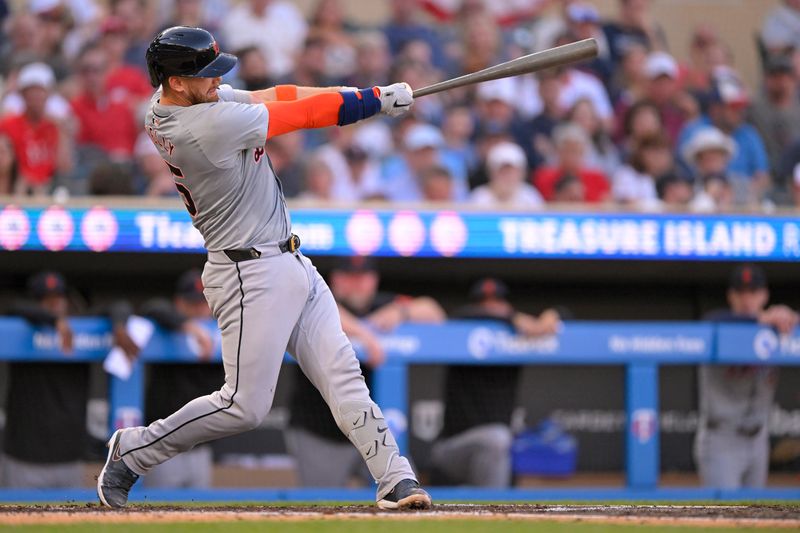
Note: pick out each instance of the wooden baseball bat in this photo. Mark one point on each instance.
(552, 57)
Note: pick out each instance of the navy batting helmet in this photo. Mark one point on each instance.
(184, 51)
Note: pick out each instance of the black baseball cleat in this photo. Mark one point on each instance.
(407, 495)
(115, 479)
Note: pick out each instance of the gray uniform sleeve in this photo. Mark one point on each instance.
(224, 129)
(227, 93)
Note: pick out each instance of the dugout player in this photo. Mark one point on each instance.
(59, 389)
(732, 442)
(266, 296)
(324, 457)
(171, 385)
(475, 444)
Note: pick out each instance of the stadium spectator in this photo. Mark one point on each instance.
(437, 184)
(356, 173)
(328, 25)
(124, 83)
(140, 26)
(252, 73)
(776, 111)
(578, 85)
(59, 390)
(708, 153)
(583, 22)
(642, 120)
(508, 169)
(735, 402)
(481, 42)
(310, 69)
(41, 146)
(474, 447)
(635, 183)
(603, 154)
(324, 456)
(277, 27)
(496, 109)
(539, 146)
(404, 26)
(8, 167)
(706, 53)
(572, 145)
(105, 118)
(726, 111)
(629, 80)
(373, 60)
(53, 18)
(458, 129)
(423, 147)
(318, 183)
(171, 385)
(634, 24)
(285, 154)
(674, 191)
(21, 43)
(192, 13)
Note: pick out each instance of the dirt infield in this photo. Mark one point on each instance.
(787, 516)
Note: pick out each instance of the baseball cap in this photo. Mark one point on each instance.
(728, 88)
(580, 12)
(488, 288)
(190, 286)
(708, 138)
(35, 75)
(421, 136)
(356, 263)
(46, 283)
(503, 90)
(660, 64)
(506, 153)
(748, 277)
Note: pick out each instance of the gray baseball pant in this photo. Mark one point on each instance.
(479, 456)
(728, 460)
(265, 307)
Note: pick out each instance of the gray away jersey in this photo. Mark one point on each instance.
(215, 152)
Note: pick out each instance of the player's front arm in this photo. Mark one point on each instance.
(340, 108)
(287, 93)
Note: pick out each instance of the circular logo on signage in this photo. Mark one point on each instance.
(14, 228)
(99, 229)
(364, 232)
(765, 344)
(406, 233)
(55, 228)
(448, 233)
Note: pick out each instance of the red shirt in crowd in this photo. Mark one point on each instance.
(107, 123)
(594, 182)
(129, 83)
(35, 147)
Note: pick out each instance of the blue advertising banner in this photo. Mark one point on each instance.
(425, 233)
(456, 342)
(753, 344)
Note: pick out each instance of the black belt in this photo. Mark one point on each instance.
(292, 244)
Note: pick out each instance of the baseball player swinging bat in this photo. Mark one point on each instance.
(552, 57)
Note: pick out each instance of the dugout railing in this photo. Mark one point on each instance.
(641, 347)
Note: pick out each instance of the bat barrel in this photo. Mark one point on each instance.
(552, 57)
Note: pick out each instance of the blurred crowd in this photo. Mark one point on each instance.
(634, 127)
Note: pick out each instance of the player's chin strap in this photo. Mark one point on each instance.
(358, 105)
(364, 425)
